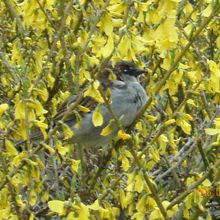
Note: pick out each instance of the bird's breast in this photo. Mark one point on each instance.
(139, 97)
(126, 103)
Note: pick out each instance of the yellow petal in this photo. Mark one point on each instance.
(96, 84)
(155, 214)
(139, 183)
(22, 130)
(95, 206)
(94, 93)
(43, 126)
(186, 127)
(56, 206)
(20, 110)
(40, 124)
(124, 46)
(218, 41)
(108, 48)
(10, 148)
(32, 197)
(83, 108)
(123, 135)
(68, 132)
(188, 117)
(163, 140)
(75, 165)
(191, 102)
(83, 212)
(49, 148)
(154, 153)
(117, 9)
(63, 150)
(106, 25)
(3, 107)
(201, 207)
(107, 130)
(19, 158)
(125, 164)
(50, 80)
(39, 108)
(166, 34)
(150, 117)
(212, 131)
(169, 122)
(207, 11)
(42, 92)
(97, 118)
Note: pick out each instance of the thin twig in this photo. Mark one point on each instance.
(10, 69)
(15, 16)
(149, 183)
(19, 166)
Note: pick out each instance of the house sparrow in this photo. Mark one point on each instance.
(127, 98)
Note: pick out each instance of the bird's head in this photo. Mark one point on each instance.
(129, 68)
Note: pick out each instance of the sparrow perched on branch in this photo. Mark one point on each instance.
(127, 98)
(124, 98)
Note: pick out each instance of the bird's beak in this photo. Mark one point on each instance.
(140, 71)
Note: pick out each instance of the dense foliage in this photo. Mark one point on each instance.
(166, 165)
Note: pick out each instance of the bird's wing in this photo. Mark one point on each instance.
(88, 104)
(84, 105)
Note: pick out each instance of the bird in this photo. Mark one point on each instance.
(126, 98)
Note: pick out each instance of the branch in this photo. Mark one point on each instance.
(149, 183)
(10, 69)
(15, 16)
